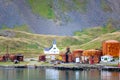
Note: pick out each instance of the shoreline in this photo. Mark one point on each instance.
(66, 66)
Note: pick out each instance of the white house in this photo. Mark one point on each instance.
(52, 51)
(106, 58)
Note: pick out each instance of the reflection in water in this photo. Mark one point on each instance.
(106, 75)
(52, 74)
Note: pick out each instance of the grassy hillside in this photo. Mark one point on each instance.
(33, 44)
(92, 38)
(97, 42)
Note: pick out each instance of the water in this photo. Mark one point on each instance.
(52, 74)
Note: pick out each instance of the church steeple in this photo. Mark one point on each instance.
(54, 42)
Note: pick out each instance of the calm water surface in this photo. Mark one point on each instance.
(53, 74)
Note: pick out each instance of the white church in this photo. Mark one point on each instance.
(53, 49)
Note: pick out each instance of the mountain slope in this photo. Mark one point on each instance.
(59, 17)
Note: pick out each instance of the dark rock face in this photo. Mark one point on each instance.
(18, 12)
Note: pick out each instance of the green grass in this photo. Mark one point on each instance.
(23, 27)
(42, 7)
(97, 42)
(45, 8)
(9, 63)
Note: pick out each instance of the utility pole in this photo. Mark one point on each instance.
(7, 49)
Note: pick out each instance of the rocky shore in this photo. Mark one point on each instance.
(65, 66)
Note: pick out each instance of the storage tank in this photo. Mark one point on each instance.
(92, 52)
(93, 55)
(111, 47)
(77, 54)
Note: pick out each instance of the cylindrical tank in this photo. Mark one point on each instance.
(92, 52)
(93, 55)
(77, 53)
(111, 47)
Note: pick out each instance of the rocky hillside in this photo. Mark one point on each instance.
(59, 17)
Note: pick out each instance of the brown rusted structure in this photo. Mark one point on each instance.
(77, 54)
(70, 58)
(63, 58)
(111, 47)
(94, 55)
(12, 57)
(92, 52)
(42, 58)
(1, 58)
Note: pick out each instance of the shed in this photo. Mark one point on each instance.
(42, 58)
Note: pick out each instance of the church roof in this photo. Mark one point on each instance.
(53, 43)
(47, 49)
